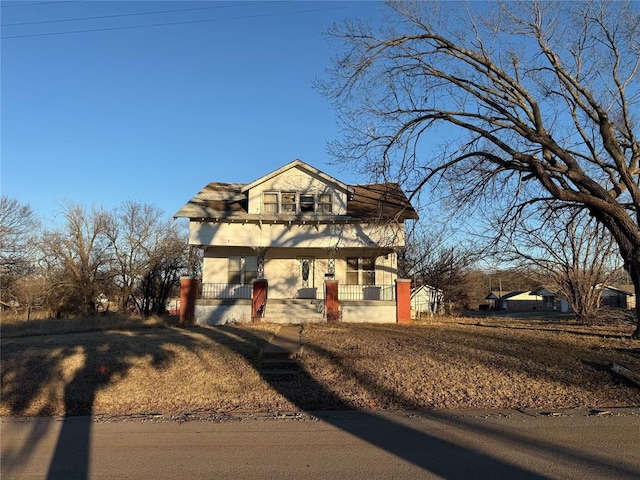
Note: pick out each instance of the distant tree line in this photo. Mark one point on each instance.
(570, 255)
(128, 259)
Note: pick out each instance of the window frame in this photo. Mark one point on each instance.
(247, 276)
(364, 275)
(275, 204)
(297, 202)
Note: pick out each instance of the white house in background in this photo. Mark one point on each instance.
(516, 301)
(297, 227)
(426, 300)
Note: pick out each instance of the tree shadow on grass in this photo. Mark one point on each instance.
(433, 454)
(443, 457)
(101, 366)
(79, 364)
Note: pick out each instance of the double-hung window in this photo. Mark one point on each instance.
(243, 270)
(288, 201)
(361, 271)
(297, 202)
(324, 204)
(270, 202)
(307, 203)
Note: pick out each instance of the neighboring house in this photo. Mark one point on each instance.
(618, 296)
(426, 300)
(297, 227)
(612, 296)
(516, 301)
(552, 301)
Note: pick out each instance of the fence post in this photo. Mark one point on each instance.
(403, 300)
(188, 296)
(331, 302)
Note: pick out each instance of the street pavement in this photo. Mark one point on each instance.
(564, 444)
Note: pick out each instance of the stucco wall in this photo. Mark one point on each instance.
(309, 235)
(221, 312)
(362, 311)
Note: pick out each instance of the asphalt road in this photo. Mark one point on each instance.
(332, 445)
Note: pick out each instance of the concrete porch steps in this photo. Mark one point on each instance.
(277, 358)
(294, 311)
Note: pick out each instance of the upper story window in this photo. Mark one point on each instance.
(288, 201)
(270, 201)
(307, 203)
(324, 204)
(297, 202)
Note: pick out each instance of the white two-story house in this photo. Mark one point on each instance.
(297, 227)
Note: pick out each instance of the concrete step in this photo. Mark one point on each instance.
(296, 319)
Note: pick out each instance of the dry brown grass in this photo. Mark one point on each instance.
(456, 364)
(16, 326)
(462, 364)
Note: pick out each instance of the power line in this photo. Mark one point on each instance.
(126, 14)
(29, 4)
(106, 29)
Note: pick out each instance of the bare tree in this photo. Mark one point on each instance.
(429, 260)
(513, 103)
(574, 255)
(18, 229)
(78, 259)
(139, 238)
(170, 260)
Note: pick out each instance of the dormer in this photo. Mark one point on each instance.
(297, 189)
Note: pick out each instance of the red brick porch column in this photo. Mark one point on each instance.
(258, 299)
(403, 300)
(331, 303)
(188, 295)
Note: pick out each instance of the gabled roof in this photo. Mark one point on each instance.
(301, 165)
(510, 295)
(373, 202)
(422, 288)
(624, 289)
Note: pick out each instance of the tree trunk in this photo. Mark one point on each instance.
(634, 273)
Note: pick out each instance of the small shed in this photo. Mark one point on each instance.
(426, 300)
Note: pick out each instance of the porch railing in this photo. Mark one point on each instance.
(225, 290)
(345, 292)
(366, 292)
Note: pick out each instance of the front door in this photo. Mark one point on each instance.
(306, 282)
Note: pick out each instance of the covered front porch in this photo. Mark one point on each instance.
(219, 304)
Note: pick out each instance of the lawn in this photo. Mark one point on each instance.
(147, 367)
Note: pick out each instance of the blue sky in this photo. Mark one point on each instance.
(154, 113)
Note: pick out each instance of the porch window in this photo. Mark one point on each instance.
(270, 202)
(243, 270)
(361, 271)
